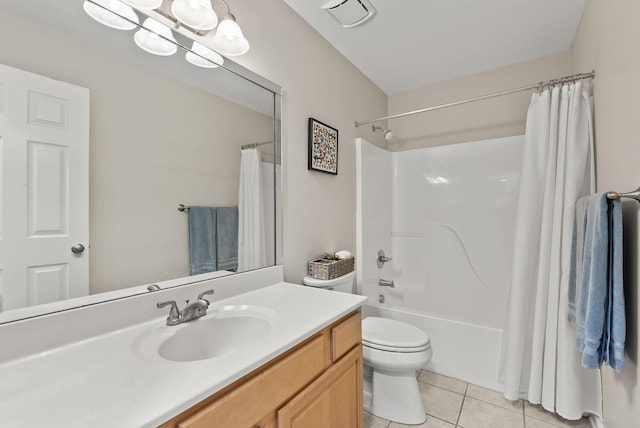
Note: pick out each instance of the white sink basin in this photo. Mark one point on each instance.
(224, 331)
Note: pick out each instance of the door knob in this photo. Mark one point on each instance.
(77, 249)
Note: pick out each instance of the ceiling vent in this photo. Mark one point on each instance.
(349, 13)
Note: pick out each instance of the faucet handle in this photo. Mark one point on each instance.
(204, 293)
(382, 259)
(174, 313)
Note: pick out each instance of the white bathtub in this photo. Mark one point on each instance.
(461, 350)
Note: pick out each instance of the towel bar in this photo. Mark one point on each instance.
(634, 195)
(184, 208)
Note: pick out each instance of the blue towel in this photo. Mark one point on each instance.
(202, 239)
(596, 300)
(616, 322)
(227, 238)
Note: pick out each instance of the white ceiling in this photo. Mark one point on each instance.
(412, 43)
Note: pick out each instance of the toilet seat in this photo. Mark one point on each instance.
(393, 336)
(395, 349)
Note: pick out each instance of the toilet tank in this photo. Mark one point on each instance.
(344, 283)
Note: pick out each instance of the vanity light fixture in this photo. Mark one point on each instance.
(229, 39)
(196, 16)
(110, 13)
(155, 38)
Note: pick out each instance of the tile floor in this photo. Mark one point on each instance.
(452, 403)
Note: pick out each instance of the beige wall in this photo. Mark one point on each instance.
(492, 118)
(607, 41)
(154, 143)
(319, 209)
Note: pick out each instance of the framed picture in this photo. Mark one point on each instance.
(323, 147)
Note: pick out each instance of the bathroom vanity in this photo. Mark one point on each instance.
(318, 383)
(273, 355)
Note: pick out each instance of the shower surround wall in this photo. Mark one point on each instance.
(446, 216)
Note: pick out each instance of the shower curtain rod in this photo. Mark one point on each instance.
(539, 85)
(254, 145)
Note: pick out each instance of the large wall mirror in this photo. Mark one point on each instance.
(101, 143)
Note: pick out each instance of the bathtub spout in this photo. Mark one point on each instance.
(386, 283)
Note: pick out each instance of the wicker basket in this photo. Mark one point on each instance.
(330, 269)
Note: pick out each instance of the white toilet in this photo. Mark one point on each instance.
(393, 352)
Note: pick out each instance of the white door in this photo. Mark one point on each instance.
(44, 203)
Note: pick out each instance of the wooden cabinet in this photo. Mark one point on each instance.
(316, 384)
(334, 400)
(345, 335)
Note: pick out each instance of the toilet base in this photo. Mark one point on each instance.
(396, 397)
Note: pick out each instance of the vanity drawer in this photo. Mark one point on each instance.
(346, 335)
(251, 401)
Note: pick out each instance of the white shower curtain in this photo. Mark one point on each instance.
(539, 359)
(251, 240)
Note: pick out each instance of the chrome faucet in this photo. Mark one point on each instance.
(192, 311)
(386, 283)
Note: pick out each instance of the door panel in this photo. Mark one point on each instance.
(47, 110)
(47, 189)
(47, 284)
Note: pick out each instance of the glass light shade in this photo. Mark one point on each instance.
(211, 59)
(113, 16)
(229, 39)
(197, 14)
(144, 4)
(149, 38)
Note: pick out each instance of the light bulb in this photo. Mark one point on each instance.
(229, 39)
(111, 14)
(144, 4)
(196, 14)
(204, 57)
(149, 38)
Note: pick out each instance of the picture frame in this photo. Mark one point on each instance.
(323, 147)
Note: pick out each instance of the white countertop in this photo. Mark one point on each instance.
(106, 381)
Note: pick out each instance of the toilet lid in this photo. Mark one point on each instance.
(387, 334)
(328, 283)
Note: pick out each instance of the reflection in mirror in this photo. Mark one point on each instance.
(104, 145)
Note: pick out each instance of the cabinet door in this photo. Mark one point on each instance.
(334, 400)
